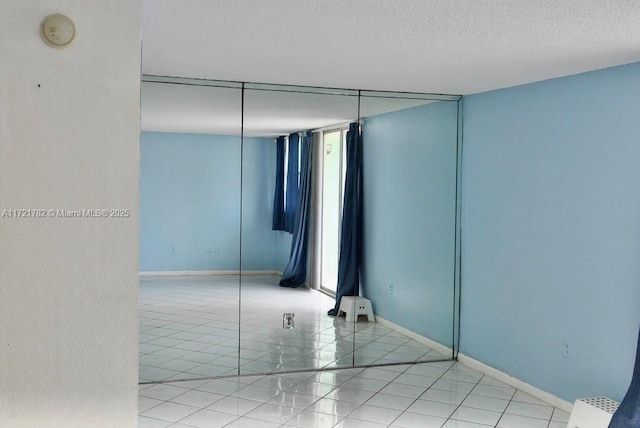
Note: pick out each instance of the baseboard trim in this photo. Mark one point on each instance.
(208, 272)
(482, 368)
(516, 383)
(436, 346)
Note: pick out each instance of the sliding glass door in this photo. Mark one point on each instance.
(333, 169)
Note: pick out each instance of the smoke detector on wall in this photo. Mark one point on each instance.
(57, 30)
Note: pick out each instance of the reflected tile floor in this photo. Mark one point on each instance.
(189, 330)
(436, 394)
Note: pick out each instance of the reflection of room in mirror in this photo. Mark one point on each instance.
(195, 109)
(208, 167)
(410, 174)
(276, 113)
(189, 330)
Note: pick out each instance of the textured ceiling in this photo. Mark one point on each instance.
(437, 46)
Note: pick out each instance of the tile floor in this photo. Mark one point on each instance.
(189, 330)
(424, 395)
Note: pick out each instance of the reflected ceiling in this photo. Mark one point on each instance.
(216, 110)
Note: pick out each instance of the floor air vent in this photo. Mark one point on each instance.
(592, 412)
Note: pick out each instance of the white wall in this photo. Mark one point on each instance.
(69, 139)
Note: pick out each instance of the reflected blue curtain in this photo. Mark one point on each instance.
(279, 218)
(293, 191)
(351, 235)
(628, 414)
(295, 273)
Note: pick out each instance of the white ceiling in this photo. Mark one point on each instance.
(437, 46)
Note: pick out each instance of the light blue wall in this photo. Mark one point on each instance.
(409, 163)
(190, 201)
(262, 248)
(551, 231)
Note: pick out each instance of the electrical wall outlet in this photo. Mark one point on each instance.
(287, 320)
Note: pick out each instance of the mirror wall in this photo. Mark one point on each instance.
(316, 340)
(190, 223)
(409, 231)
(210, 300)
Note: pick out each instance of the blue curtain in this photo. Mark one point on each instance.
(628, 414)
(279, 218)
(295, 273)
(293, 191)
(351, 236)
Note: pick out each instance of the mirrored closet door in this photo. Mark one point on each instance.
(284, 324)
(251, 198)
(190, 205)
(409, 226)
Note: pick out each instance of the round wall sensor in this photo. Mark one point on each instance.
(57, 30)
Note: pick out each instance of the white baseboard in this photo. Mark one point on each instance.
(208, 272)
(415, 336)
(482, 368)
(516, 383)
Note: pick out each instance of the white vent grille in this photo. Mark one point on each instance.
(602, 403)
(593, 412)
